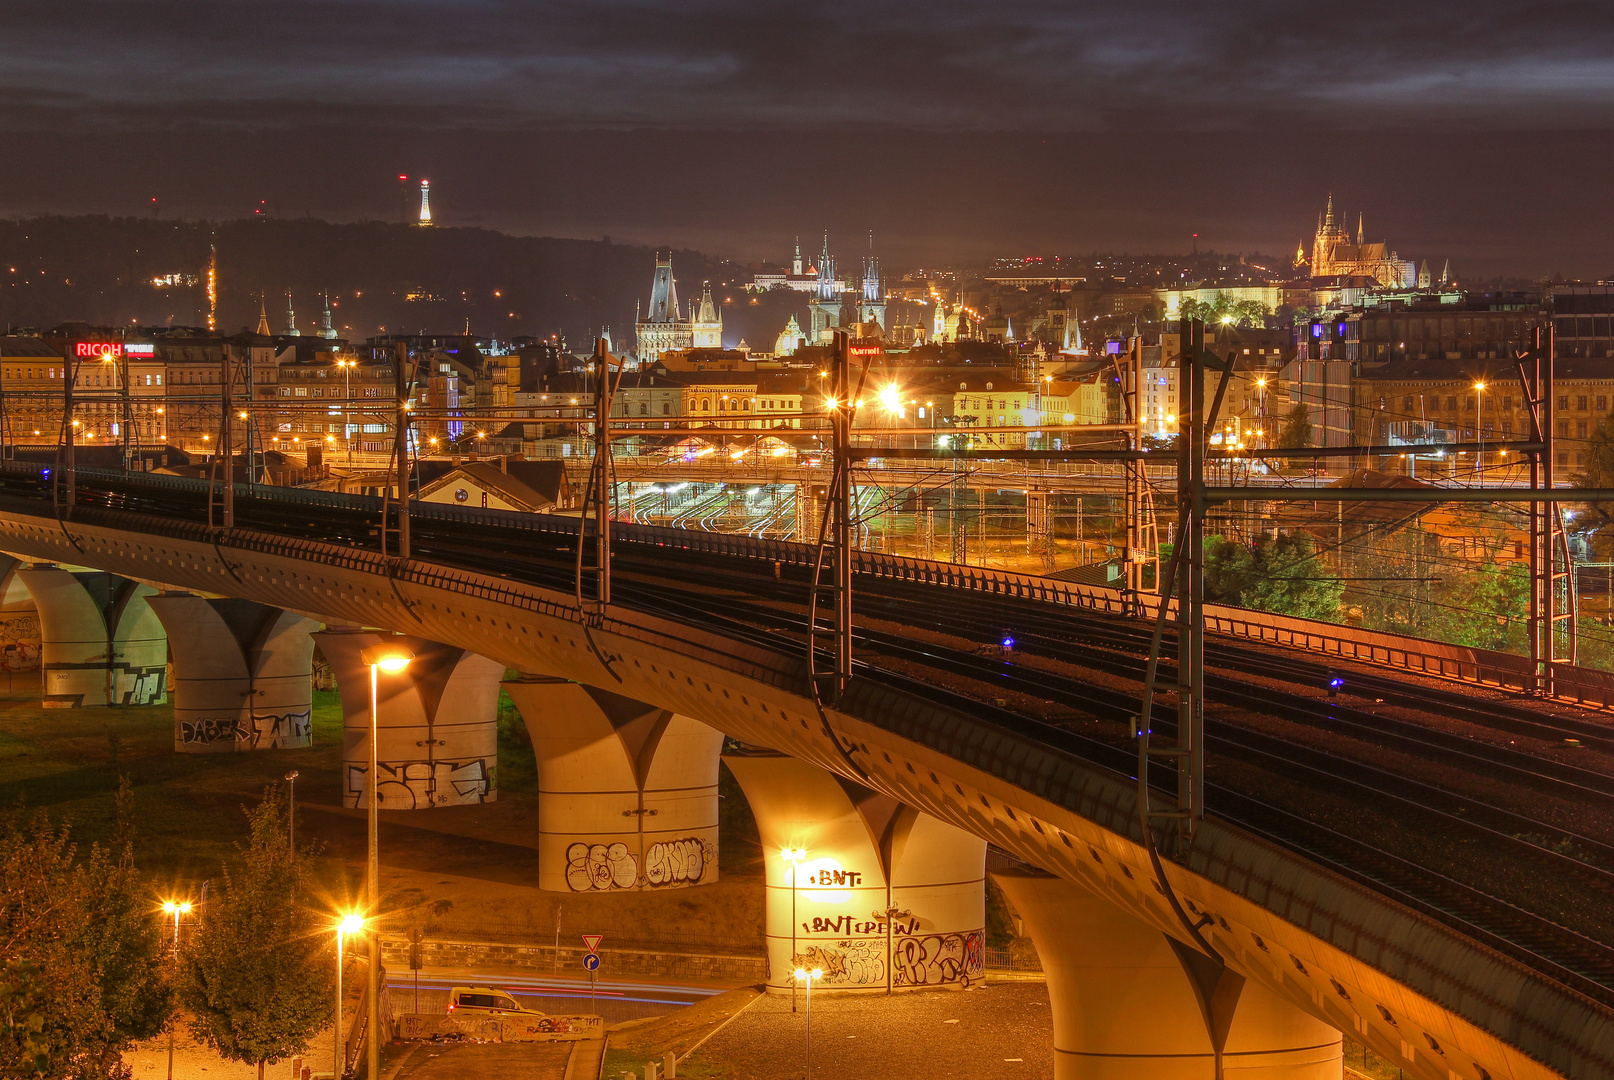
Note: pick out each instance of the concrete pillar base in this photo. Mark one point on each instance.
(627, 793)
(243, 674)
(439, 737)
(882, 896)
(1124, 1008)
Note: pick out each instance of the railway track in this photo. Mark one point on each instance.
(1574, 959)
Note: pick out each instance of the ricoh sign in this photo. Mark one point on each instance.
(112, 350)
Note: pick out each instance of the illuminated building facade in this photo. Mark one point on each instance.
(664, 329)
(1334, 255)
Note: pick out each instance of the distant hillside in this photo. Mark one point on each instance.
(379, 277)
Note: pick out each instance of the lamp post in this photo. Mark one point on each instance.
(347, 367)
(1479, 427)
(803, 975)
(794, 857)
(291, 812)
(392, 659)
(347, 924)
(176, 908)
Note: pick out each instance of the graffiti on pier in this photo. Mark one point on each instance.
(415, 785)
(600, 867)
(939, 959)
(676, 862)
(667, 863)
(209, 731)
(916, 960)
(272, 731)
(19, 643)
(288, 730)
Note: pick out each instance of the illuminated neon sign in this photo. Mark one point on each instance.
(97, 349)
(145, 350)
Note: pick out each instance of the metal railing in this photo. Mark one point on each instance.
(1587, 686)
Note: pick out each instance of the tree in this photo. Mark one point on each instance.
(1283, 575)
(81, 937)
(258, 974)
(1296, 430)
(1223, 309)
(1599, 473)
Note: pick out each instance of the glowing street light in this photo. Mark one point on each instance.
(392, 659)
(806, 976)
(795, 857)
(176, 908)
(347, 924)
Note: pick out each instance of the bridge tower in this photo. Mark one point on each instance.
(881, 896)
(1129, 1002)
(438, 729)
(627, 792)
(100, 642)
(243, 674)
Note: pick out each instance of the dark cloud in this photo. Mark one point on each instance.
(946, 64)
(953, 129)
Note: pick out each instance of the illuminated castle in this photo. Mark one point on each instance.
(664, 328)
(1334, 255)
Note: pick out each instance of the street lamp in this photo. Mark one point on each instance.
(291, 811)
(795, 857)
(176, 908)
(1479, 427)
(803, 975)
(347, 924)
(392, 659)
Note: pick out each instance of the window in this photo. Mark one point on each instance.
(1563, 402)
(1580, 429)
(285, 391)
(1406, 403)
(1451, 404)
(1602, 403)
(666, 408)
(1580, 403)
(643, 408)
(302, 391)
(1507, 404)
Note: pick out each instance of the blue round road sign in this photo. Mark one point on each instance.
(591, 962)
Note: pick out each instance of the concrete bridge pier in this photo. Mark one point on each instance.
(100, 643)
(627, 792)
(243, 674)
(1125, 1008)
(878, 895)
(438, 725)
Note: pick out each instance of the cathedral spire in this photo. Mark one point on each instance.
(326, 330)
(291, 319)
(1359, 234)
(263, 315)
(1328, 218)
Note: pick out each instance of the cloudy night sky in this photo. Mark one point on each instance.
(956, 131)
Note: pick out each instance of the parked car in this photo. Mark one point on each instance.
(486, 999)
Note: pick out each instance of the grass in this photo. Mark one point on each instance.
(478, 863)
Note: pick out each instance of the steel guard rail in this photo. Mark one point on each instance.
(1586, 686)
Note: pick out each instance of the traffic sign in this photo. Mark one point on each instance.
(593, 941)
(591, 962)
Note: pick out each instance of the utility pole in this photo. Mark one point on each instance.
(1191, 435)
(1549, 541)
(835, 534)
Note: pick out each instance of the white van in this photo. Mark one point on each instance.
(487, 1000)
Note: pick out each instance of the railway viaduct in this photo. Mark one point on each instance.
(1243, 958)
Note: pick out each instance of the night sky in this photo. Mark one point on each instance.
(955, 131)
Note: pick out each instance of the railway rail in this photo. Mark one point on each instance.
(760, 617)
